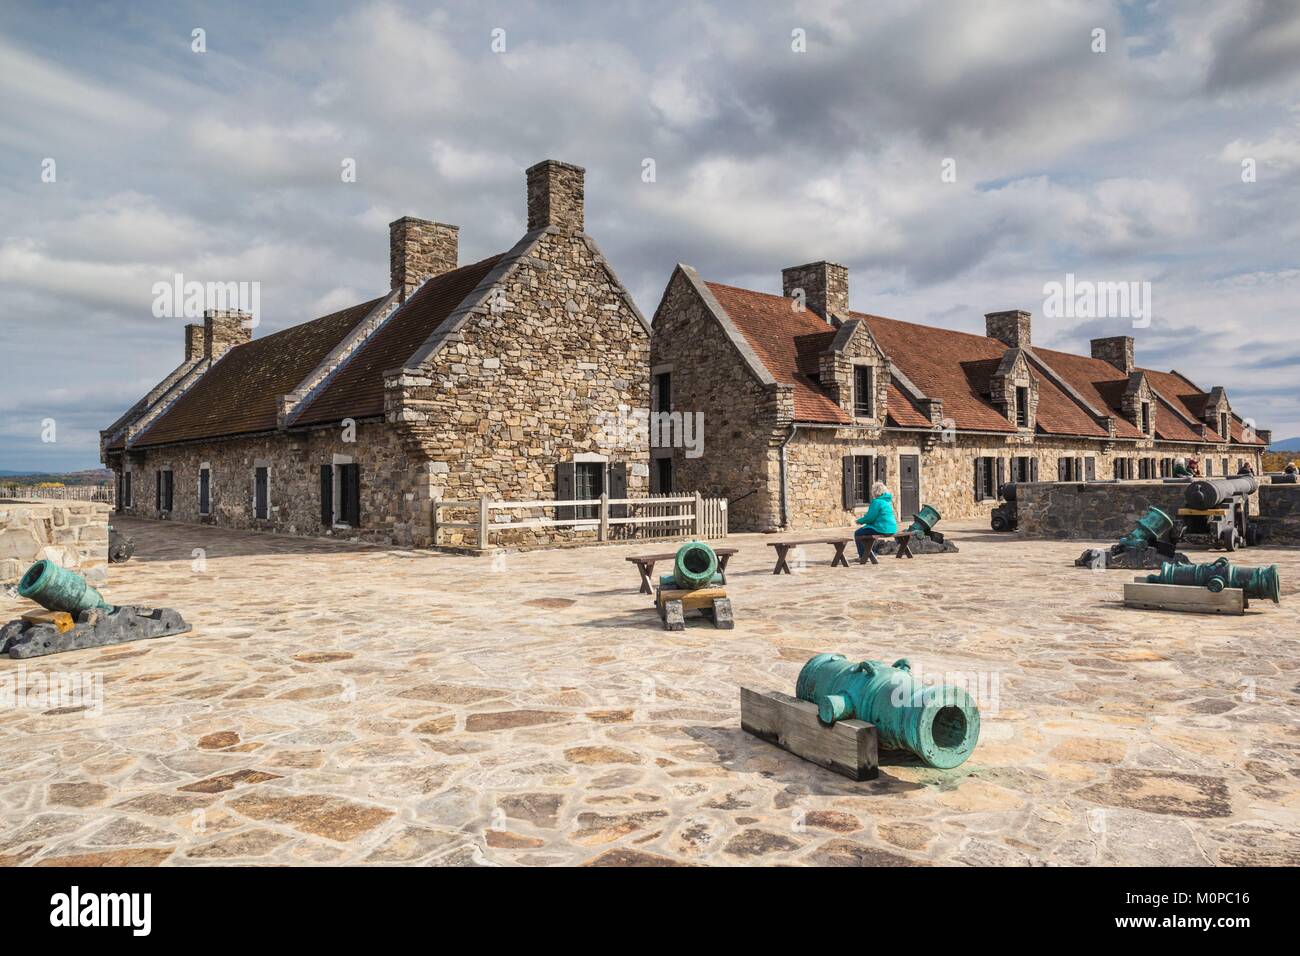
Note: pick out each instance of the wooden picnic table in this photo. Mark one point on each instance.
(645, 563)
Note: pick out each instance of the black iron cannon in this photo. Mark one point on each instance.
(1219, 510)
(1004, 516)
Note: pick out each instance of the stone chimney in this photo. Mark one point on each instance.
(555, 196)
(223, 330)
(1011, 328)
(1117, 350)
(419, 249)
(825, 287)
(193, 342)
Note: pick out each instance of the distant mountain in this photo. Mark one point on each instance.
(1286, 444)
(88, 476)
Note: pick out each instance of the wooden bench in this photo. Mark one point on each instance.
(783, 548)
(645, 563)
(904, 539)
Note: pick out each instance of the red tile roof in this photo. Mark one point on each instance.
(773, 329)
(1100, 384)
(357, 388)
(238, 394)
(955, 367)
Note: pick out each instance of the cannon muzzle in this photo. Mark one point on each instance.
(1007, 491)
(940, 724)
(1220, 574)
(923, 521)
(695, 566)
(1210, 492)
(58, 589)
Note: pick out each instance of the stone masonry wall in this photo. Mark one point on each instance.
(743, 419)
(72, 534)
(1091, 511)
(1279, 514)
(555, 373)
(388, 483)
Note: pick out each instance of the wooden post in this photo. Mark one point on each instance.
(603, 534)
(699, 514)
(483, 523)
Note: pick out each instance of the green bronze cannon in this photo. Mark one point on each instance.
(939, 724)
(81, 619)
(58, 589)
(695, 584)
(1153, 540)
(1220, 574)
(695, 566)
(923, 521)
(1149, 531)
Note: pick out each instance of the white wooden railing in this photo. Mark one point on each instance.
(656, 516)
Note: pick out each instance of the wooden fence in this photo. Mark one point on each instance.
(611, 519)
(63, 493)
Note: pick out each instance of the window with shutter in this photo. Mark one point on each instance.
(618, 487)
(350, 494)
(261, 493)
(327, 496)
(863, 397)
(564, 472)
(205, 491)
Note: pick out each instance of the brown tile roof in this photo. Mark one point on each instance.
(774, 331)
(955, 367)
(238, 394)
(1100, 384)
(357, 389)
(948, 365)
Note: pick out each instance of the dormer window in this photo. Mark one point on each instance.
(1022, 406)
(864, 405)
(1146, 418)
(1223, 425)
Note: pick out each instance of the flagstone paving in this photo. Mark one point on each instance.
(342, 704)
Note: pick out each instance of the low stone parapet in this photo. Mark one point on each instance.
(1091, 510)
(1279, 514)
(72, 534)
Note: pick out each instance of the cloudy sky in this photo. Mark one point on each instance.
(225, 165)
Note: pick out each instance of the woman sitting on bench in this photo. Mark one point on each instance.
(878, 521)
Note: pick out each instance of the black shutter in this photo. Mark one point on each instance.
(327, 496)
(618, 487)
(979, 483)
(882, 468)
(847, 469)
(1060, 469)
(1033, 469)
(352, 501)
(1090, 469)
(1002, 473)
(654, 476)
(158, 495)
(564, 476)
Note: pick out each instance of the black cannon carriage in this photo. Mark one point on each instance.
(1004, 516)
(1218, 509)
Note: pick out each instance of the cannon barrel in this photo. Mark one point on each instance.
(1255, 582)
(923, 521)
(1209, 492)
(58, 589)
(695, 566)
(1007, 491)
(938, 723)
(1150, 528)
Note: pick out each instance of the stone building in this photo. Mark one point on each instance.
(806, 402)
(497, 378)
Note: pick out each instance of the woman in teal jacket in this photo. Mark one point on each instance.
(879, 519)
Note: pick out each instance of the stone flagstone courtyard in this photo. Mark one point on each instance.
(342, 704)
